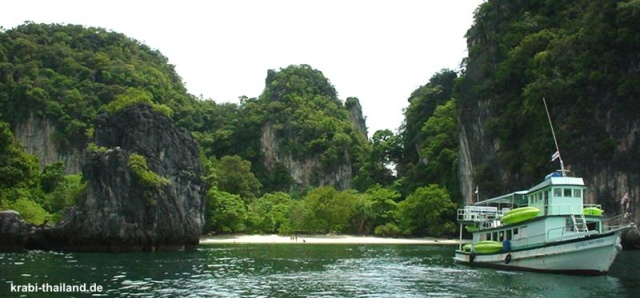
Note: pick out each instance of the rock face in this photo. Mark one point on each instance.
(14, 232)
(121, 211)
(355, 115)
(631, 239)
(37, 136)
(306, 172)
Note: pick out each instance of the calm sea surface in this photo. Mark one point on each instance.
(301, 270)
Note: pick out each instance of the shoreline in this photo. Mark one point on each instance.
(323, 239)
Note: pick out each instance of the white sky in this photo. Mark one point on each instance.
(377, 51)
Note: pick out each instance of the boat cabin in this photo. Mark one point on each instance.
(558, 195)
(552, 210)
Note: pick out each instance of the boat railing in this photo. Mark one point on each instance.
(480, 213)
(615, 222)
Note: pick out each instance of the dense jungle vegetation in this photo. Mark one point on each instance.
(403, 183)
(69, 74)
(583, 57)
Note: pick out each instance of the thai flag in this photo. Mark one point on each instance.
(555, 156)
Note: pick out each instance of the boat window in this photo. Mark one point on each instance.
(495, 236)
(508, 234)
(488, 236)
(577, 193)
(515, 231)
(557, 192)
(567, 192)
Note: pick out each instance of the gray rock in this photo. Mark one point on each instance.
(14, 232)
(119, 212)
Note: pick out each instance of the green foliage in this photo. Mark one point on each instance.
(426, 212)
(92, 147)
(233, 175)
(65, 194)
(308, 118)
(429, 136)
(581, 56)
(34, 194)
(17, 169)
(138, 165)
(270, 214)
(303, 116)
(376, 207)
(440, 148)
(52, 175)
(66, 73)
(133, 96)
(30, 211)
(388, 230)
(327, 210)
(225, 212)
(385, 154)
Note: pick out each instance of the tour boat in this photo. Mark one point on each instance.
(546, 228)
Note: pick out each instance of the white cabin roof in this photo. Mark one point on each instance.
(566, 181)
(549, 181)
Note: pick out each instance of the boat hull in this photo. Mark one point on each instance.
(589, 255)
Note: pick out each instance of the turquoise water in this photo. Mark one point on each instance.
(301, 270)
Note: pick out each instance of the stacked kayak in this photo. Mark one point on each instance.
(484, 247)
(595, 211)
(519, 215)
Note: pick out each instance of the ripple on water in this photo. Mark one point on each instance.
(297, 270)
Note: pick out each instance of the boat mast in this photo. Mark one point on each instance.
(554, 139)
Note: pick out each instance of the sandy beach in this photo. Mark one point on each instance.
(322, 239)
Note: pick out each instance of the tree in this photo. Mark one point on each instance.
(29, 210)
(67, 73)
(376, 207)
(269, 214)
(225, 212)
(133, 96)
(439, 149)
(52, 175)
(66, 194)
(327, 210)
(426, 212)
(384, 156)
(384, 204)
(17, 169)
(234, 176)
(418, 136)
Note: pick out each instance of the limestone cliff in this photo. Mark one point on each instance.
(522, 52)
(121, 209)
(304, 172)
(308, 136)
(37, 136)
(355, 115)
(14, 232)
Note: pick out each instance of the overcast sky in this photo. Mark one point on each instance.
(377, 51)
